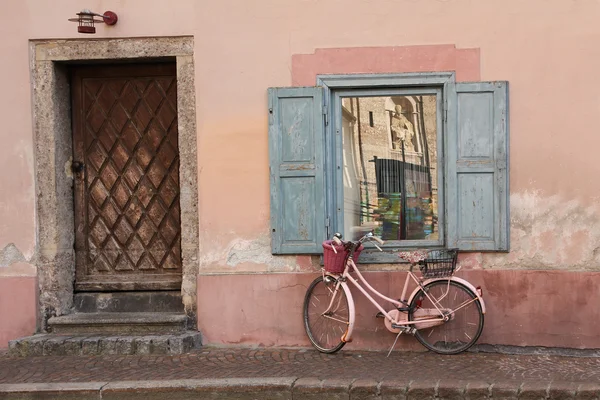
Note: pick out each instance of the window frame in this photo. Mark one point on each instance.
(337, 86)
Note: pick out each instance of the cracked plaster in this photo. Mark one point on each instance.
(252, 255)
(10, 255)
(547, 232)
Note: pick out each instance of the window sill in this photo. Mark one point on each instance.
(374, 256)
(389, 255)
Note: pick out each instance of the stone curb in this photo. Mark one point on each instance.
(302, 389)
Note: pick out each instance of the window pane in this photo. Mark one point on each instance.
(390, 167)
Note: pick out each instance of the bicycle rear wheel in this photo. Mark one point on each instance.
(465, 322)
(326, 330)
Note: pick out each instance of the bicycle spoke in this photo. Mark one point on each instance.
(335, 319)
(330, 289)
(326, 314)
(320, 321)
(465, 322)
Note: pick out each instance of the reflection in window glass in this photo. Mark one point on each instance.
(390, 167)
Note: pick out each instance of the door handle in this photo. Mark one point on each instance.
(77, 167)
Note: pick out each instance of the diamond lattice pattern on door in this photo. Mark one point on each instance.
(132, 175)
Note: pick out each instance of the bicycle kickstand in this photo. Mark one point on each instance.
(394, 345)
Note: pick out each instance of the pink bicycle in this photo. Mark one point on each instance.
(445, 313)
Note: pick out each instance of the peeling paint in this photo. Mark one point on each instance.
(247, 255)
(549, 232)
(10, 254)
(69, 168)
(257, 252)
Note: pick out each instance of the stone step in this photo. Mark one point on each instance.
(167, 301)
(120, 323)
(58, 345)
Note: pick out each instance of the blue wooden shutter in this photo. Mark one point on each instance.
(477, 161)
(296, 149)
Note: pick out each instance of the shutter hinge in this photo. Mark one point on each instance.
(445, 112)
(325, 115)
(270, 105)
(270, 101)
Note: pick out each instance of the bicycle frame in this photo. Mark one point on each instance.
(358, 283)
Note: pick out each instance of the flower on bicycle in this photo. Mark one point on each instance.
(413, 257)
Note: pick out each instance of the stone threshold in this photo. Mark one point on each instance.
(120, 323)
(62, 345)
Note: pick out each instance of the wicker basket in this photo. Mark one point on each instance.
(439, 263)
(336, 262)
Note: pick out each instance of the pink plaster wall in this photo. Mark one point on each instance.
(465, 62)
(524, 308)
(18, 307)
(244, 47)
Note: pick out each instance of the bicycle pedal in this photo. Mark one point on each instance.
(404, 328)
(379, 315)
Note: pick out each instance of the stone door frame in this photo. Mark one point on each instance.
(52, 137)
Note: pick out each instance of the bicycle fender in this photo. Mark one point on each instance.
(347, 337)
(455, 279)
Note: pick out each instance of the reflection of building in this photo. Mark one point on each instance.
(391, 182)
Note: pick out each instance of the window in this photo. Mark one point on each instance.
(418, 158)
(390, 164)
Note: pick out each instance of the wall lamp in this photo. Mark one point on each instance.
(86, 20)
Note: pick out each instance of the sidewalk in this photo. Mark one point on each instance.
(219, 373)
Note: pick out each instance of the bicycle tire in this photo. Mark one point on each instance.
(325, 333)
(462, 330)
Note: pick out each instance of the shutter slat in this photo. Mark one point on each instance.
(477, 162)
(296, 142)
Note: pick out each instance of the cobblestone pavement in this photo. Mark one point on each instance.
(256, 363)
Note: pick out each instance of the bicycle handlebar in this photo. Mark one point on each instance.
(378, 240)
(368, 236)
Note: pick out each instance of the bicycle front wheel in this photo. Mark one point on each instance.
(327, 314)
(462, 309)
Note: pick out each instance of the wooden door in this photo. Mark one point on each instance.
(126, 177)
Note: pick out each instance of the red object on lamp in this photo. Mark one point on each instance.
(110, 18)
(86, 20)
